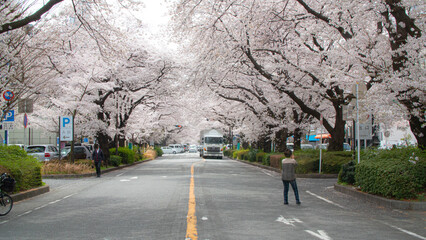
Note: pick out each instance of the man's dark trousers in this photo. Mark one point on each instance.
(98, 168)
(286, 188)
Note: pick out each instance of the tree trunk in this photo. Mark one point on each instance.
(418, 131)
(297, 139)
(281, 140)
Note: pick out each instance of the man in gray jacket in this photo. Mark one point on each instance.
(289, 176)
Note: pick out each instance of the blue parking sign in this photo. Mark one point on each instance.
(10, 116)
(66, 128)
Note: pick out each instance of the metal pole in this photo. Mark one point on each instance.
(357, 125)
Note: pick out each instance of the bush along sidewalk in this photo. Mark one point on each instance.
(308, 160)
(396, 174)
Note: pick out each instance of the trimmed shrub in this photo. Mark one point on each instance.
(260, 156)
(396, 173)
(127, 155)
(159, 151)
(228, 152)
(239, 154)
(275, 160)
(115, 160)
(308, 161)
(251, 155)
(26, 170)
(347, 173)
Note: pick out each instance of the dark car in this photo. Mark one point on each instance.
(80, 152)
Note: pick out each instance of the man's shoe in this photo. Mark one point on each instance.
(285, 203)
(298, 202)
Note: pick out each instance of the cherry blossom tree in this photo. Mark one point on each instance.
(312, 56)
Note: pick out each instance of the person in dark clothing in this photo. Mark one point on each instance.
(289, 176)
(98, 157)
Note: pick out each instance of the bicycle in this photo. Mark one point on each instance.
(7, 184)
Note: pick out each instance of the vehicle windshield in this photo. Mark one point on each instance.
(65, 151)
(35, 149)
(213, 140)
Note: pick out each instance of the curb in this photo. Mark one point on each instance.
(307, 175)
(389, 203)
(30, 193)
(59, 176)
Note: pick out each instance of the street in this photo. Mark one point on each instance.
(220, 199)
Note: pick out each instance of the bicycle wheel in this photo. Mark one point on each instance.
(6, 204)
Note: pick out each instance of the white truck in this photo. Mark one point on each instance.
(212, 143)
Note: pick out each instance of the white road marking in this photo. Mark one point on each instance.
(321, 234)
(407, 232)
(326, 200)
(118, 175)
(204, 218)
(4, 222)
(288, 221)
(267, 173)
(124, 180)
(69, 196)
(134, 178)
(55, 201)
(25, 213)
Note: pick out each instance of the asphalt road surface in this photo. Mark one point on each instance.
(185, 197)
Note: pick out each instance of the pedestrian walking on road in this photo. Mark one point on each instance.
(98, 157)
(289, 176)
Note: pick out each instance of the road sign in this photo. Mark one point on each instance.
(25, 120)
(10, 116)
(8, 125)
(8, 95)
(66, 128)
(25, 105)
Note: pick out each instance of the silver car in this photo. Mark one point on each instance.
(168, 150)
(43, 152)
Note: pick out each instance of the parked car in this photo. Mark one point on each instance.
(43, 152)
(290, 146)
(193, 149)
(322, 146)
(306, 146)
(346, 147)
(80, 152)
(177, 147)
(168, 150)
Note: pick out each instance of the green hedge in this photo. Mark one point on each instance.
(159, 151)
(240, 154)
(115, 160)
(127, 155)
(26, 170)
(396, 173)
(308, 161)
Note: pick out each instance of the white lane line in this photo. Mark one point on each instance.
(4, 222)
(326, 200)
(42, 206)
(124, 180)
(267, 173)
(69, 196)
(133, 178)
(118, 175)
(407, 232)
(55, 201)
(25, 213)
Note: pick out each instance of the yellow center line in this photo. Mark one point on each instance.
(191, 218)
